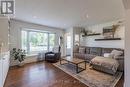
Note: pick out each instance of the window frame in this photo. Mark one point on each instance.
(37, 31)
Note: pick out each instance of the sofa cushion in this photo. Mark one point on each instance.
(76, 49)
(76, 55)
(79, 55)
(82, 50)
(95, 51)
(87, 50)
(89, 57)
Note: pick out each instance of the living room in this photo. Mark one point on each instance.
(64, 43)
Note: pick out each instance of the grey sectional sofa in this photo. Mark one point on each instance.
(88, 53)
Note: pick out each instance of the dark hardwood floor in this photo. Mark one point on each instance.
(42, 75)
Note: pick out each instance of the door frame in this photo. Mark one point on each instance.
(66, 49)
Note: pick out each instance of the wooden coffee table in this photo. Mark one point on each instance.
(76, 62)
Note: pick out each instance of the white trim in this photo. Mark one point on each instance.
(31, 55)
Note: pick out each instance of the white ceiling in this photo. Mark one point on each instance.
(68, 13)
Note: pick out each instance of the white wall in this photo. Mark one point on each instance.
(90, 41)
(4, 34)
(15, 35)
(127, 50)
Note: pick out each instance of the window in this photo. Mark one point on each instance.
(24, 40)
(68, 41)
(35, 41)
(51, 41)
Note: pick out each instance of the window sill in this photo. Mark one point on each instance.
(30, 55)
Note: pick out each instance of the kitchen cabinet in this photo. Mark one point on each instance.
(5, 64)
(4, 67)
(4, 49)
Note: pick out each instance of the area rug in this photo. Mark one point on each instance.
(91, 77)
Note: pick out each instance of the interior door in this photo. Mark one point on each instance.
(68, 45)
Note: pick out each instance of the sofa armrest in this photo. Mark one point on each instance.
(119, 58)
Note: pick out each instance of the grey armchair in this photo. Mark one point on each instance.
(53, 56)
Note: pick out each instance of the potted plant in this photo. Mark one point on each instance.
(19, 55)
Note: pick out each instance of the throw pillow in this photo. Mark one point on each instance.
(107, 55)
(115, 54)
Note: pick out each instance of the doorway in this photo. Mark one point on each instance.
(68, 44)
